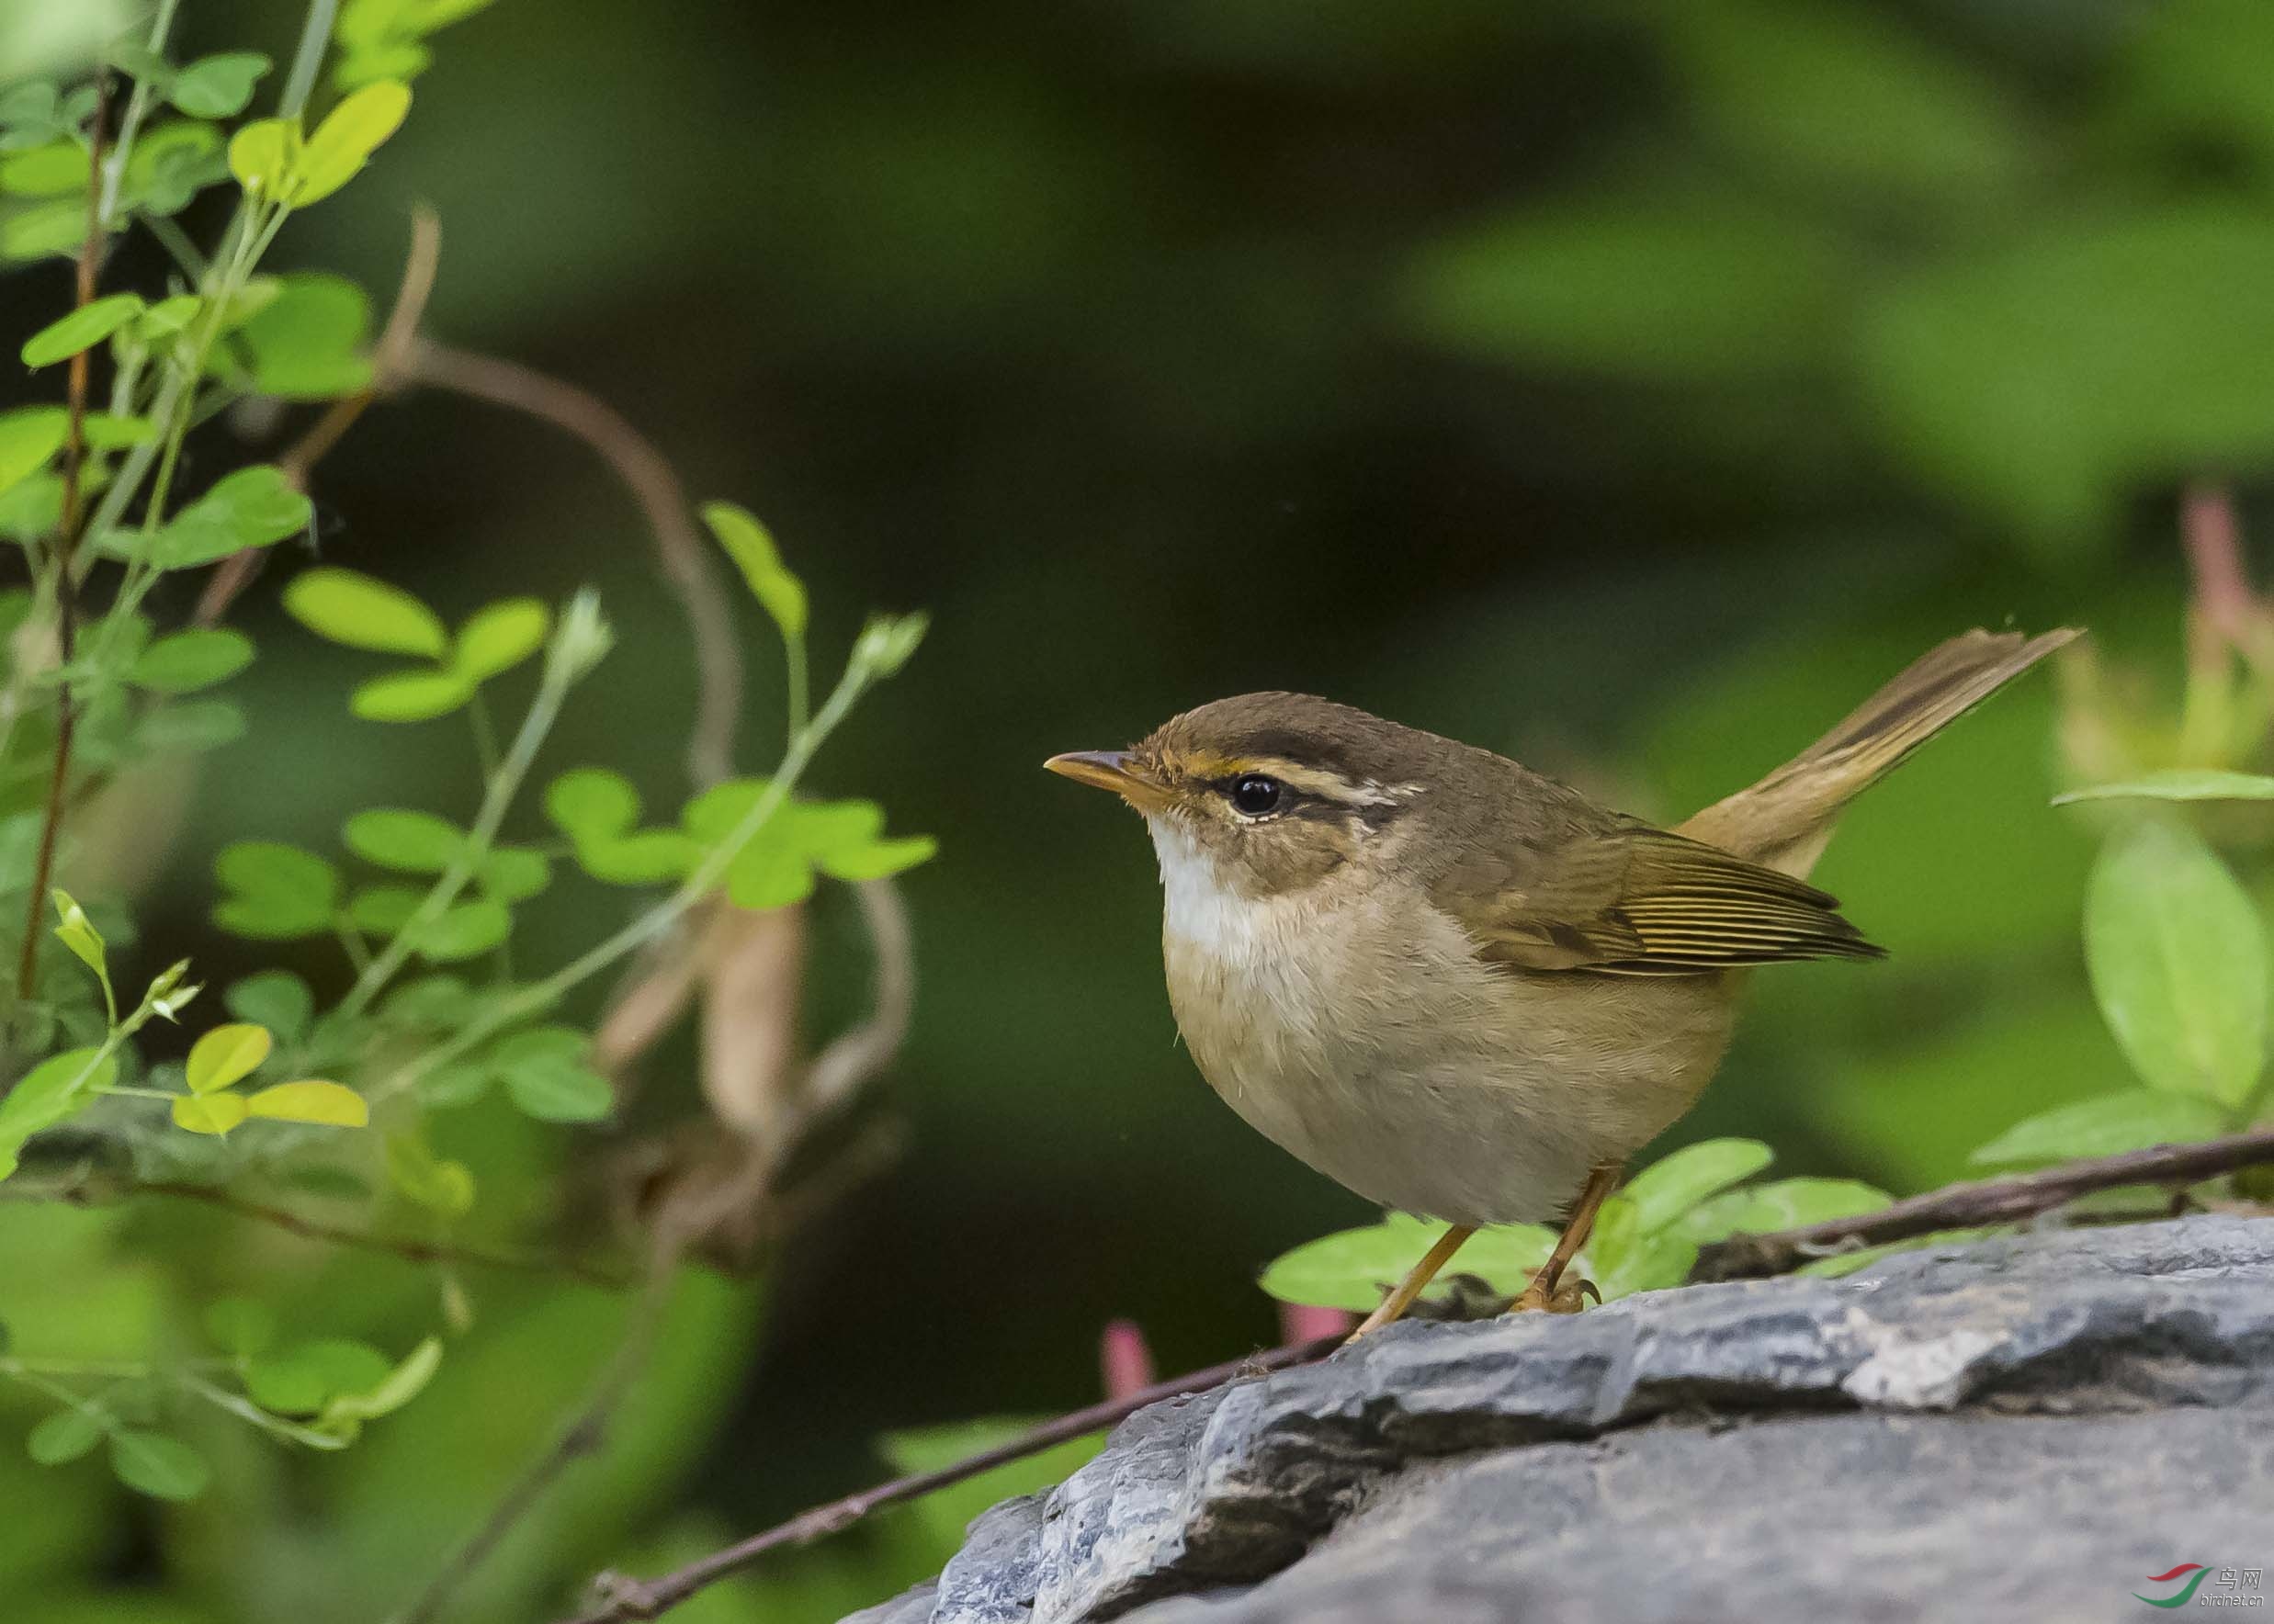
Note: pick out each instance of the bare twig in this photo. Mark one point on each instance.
(1989, 1201)
(855, 1056)
(621, 1598)
(67, 542)
(686, 563)
(236, 572)
(583, 1434)
(97, 1193)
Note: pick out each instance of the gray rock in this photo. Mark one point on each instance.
(2020, 1428)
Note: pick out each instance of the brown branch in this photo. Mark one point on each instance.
(67, 542)
(236, 572)
(621, 1598)
(1989, 1201)
(686, 562)
(413, 1250)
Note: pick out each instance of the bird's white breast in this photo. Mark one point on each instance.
(1354, 1025)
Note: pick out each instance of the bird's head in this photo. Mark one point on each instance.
(1268, 793)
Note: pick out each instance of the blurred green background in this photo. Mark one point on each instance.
(1628, 387)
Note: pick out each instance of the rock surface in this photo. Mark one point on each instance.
(2016, 1430)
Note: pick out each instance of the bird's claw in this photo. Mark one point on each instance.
(1567, 1297)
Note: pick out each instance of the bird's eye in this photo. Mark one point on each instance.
(1254, 794)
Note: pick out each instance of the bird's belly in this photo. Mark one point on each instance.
(1379, 1050)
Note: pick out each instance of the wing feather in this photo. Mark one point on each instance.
(1624, 898)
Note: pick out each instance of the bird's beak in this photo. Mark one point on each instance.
(1110, 769)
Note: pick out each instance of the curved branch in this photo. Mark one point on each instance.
(622, 1599)
(236, 572)
(1988, 1201)
(685, 561)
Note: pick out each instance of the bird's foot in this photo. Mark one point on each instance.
(1567, 1297)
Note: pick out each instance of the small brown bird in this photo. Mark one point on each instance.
(1464, 990)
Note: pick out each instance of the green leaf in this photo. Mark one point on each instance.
(208, 1113)
(498, 637)
(591, 801)
(56, 169)
(347, 606)
(769, 872)
(397, 59)
(751, 546)
(152, 1463)
(344, 141)
(1671, 1186)
(1624, 1257)
(226, 1055)
(173, 163)
(1692, 285)
(547, 1075)
(398, 1388)
(253, 507)
(1354, 1268)
(167, 319)
(1782, 1204)
(880, 860)
(78, 934)
(643, 859)
(381, 911)
(276, 892)
(106, 430)
(2028, 376)
(2178, 956)
(514, 873)
(2108, 1124)
(186, 729)
(58, 228)
(306, 343)
(411, 843)
(28, 436)
(185, 661)
(65, 1435)
(302, 1379)
(2180, 784)
(262, 155)
(83, 329)
(276, 1000)
(218, 86)
(594, 807)
(411, 696)
(53, 1091)
(310, 1099)
(426, 1180)
(465, 930)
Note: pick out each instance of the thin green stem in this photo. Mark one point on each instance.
(176, 242)
(137, 105)
(351, 942)
(485, 734)
(794, 648)
(504, 784)
(214, 1394)
(699, 883)
(29, 1370)
(307, 60)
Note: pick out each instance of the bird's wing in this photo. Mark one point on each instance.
(1625, 899)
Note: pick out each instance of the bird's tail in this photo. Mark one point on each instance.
(1784, 821)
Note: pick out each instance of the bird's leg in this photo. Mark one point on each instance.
(1547, 1291)
(1415, 1282)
